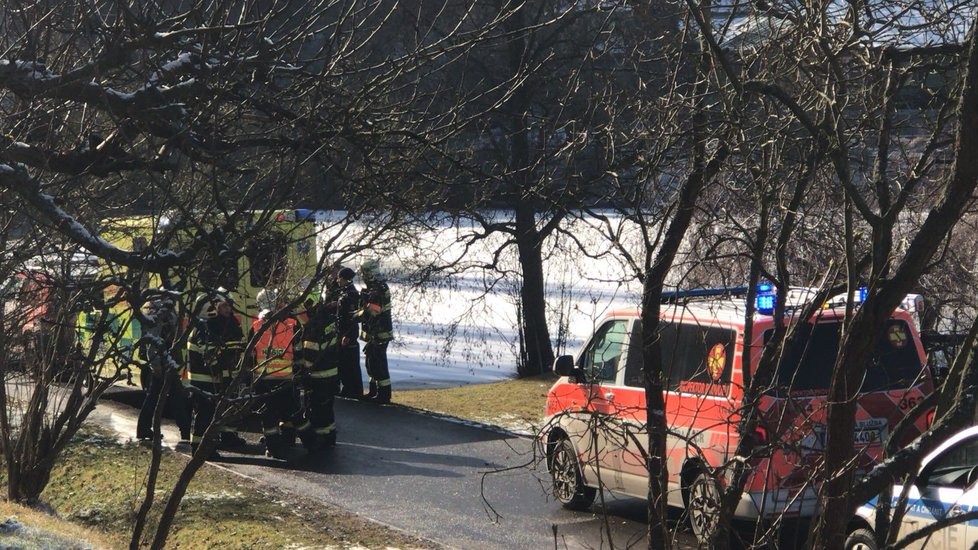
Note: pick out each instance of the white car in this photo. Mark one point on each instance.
(946, 487)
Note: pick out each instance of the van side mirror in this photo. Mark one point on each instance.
(921, 481)
(564, 366)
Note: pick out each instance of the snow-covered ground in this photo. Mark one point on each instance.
(462, 328)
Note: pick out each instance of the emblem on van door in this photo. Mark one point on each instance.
(897, 335)
(716, 360)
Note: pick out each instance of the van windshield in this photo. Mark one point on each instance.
(807, 366)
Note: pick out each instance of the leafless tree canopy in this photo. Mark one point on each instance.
(720, 143)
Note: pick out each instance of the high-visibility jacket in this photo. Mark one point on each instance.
(274, 351)
(376, 325)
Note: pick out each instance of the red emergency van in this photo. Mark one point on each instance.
(35, 321)
(595, 435)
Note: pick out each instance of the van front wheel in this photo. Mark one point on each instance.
(703, 506)
(861, 539)
(568, 482)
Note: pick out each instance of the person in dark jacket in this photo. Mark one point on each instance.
(376, 330)
(162, 365)
(213, 352)
(318, 376)
(346, 303)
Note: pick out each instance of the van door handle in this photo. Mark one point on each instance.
(609, 396)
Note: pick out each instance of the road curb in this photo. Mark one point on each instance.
(465, 422)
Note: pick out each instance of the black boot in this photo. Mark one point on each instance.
(322, 443)
(372, 393)
(213, 456)
(231, 440)
(308, 438)
(289, 434)
(383, 396)
(275, 446)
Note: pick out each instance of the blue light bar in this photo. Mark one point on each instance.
(764, 302)
(861, 294)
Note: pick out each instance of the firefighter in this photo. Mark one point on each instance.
(346, 302)
(376, 330)
(319, 381)
(213, 352)
(274, 362)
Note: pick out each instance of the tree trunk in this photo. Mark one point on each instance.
(840, 427)
(210, 441)
(539, 354)
(655, 410)
(154, 466)
(652, 352)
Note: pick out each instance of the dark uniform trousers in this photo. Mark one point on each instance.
(349, 367)
(375, 355)
(214, 382)
(376, 330)
(278, 411)
(204, 408)
(320, 385)
(176, 402)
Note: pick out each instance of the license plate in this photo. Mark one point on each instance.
(870, 432)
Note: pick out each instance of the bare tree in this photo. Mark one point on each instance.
(834, 146)
(200, 119)
(537, 139)
(840, 137)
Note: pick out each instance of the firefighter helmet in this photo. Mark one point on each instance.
(208, 303)
(205, 306)
(266, 298)
(222, 295)
(370, 269)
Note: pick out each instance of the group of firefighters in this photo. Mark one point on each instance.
(302, 359)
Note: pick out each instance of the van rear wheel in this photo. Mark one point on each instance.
(568, 482)
(703, 506)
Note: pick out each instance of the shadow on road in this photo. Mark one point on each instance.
(376, 441)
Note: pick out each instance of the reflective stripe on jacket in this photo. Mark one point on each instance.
(375, 313)
(214, 348)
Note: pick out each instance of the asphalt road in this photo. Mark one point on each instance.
(458, 485)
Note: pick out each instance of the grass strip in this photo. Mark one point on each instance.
(99, 484)
(517, 404)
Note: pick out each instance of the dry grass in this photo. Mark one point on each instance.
(99, 483)
(516, 404)
(26, 528)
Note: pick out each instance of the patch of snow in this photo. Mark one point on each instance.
(10, 526)
(464, 328)
(121, 96)
(183, 60)
(213, 497)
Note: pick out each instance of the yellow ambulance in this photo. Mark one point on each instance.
(269, 249)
